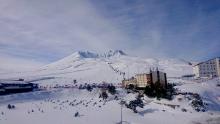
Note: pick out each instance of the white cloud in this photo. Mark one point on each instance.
(14, 64)
(54, 26)
(51, 29)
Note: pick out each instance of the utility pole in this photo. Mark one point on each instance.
(121, 114)
(123, 75)
(128, 73)
(122, 103)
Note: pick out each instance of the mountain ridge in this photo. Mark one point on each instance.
(89, 54)
(90, 66)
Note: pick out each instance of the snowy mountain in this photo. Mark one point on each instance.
(114, 53)
(88, 54)
(53, 105)
(93, 67)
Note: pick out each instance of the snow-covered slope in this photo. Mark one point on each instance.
(207, 89)
(87, 66)
(59, 105)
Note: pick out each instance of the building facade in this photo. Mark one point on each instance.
(128, 82)
(143, 79)
(8, 87)
(146, 79)
(159, 77)
(210, 68)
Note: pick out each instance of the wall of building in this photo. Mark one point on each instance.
(210, 68)
(154, 77)
(127, 82)
(218, 66)
(143, 80)
(159, 77)
(162, 78)
(196, 70)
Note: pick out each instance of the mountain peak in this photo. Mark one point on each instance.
(88, 54)
(111, 53)
(85, 54)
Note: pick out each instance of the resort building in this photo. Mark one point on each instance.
(210, 68)
(146, 79)
(143, 79)
(129, 82)
(8, 87)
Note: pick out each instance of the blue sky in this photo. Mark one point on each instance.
(42, 31)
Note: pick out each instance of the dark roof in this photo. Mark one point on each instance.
(13, 82)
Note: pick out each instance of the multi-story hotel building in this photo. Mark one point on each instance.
(145, 79)
(210, 68)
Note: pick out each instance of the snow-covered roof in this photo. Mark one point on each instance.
(206, 61)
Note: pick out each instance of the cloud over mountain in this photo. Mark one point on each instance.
(47, 30)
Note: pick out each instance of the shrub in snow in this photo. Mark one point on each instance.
(103, 95)
(149, 91)
(179, 99)
(134, 104)
(131, 87)
(158, 91)
(10, 106)
(94, 103)
(75, 81)
(89, 88)
(111, 89)
(197, 103)
(183, 110)
(93, 85)
(81, 86)
(76, 114)
(116, 98)
(20, 79)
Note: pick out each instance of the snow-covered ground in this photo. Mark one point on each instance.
(59, 105)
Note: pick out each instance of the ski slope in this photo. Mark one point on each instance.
(85, 66)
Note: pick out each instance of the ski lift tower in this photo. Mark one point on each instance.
(123, 75)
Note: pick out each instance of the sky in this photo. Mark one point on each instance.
(37, 32)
